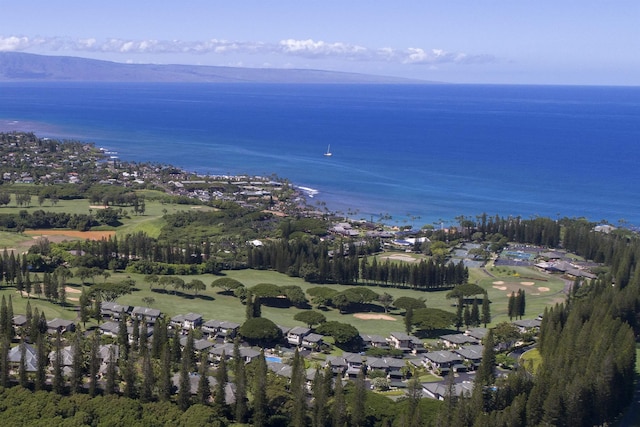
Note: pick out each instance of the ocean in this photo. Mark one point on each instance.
(414, 154)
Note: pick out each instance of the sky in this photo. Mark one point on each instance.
(584, 42)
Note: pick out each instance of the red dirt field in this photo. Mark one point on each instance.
(71, 234)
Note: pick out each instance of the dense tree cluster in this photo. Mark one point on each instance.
(539, 231)
(587, 345)
(39, 219)
(517, 305)
(315, 263)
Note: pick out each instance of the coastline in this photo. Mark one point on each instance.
(432, 152)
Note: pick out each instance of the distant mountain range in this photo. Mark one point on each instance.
(18, 66)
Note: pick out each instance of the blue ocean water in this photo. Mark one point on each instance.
(420, 154)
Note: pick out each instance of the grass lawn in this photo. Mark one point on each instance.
(531, 356)
(11, 240)
(51, 310)
(151, 222)
(541, 290)
(429, 378)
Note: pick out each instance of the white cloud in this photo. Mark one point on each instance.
(13, 43)
(311, 48)
(289, 48)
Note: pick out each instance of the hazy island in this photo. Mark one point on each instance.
(143, 294)
(18, 66)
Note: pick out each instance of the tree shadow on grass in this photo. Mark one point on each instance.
(432, 333)
(183, 294)
(363, 308)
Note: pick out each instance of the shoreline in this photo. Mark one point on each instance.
(436, 178)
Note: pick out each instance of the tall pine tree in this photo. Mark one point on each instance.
(260, 391)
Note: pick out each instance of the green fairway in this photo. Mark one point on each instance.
(151, 222)
(214, 305)
(10, 240)
(50, 310)
(541, 290)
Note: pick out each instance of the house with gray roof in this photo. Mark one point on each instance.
(457, 340)
(376, 341)
(355, 364)
(130, 332)
(60, 326)
(198, 345)
(249, 353)
(31, 357)
(279, 368)
(220, 329)
(338, 365)
(390, 365)
(20, 321)
(405, 342)
(246, 353)
(66, 356)
(312, 341)
(186, 322)
(441, 390)
(216, 352)
(443, 361)
(471, 353)
(112, 310)
(297, 334)
(150, 315)
(528, 324)
(110, 328)
(104, 352)
(477, 333)
(228, 330)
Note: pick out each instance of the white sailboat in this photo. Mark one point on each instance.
(328, 153)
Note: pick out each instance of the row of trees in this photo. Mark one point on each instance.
(315, 263)
(22, 199)
(538, 231)
(40, 219)
(15, 270)
(517, 304)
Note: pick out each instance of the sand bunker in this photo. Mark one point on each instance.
(73, 299)
(369, 316)
(399, 257)
(498, 282)
(528, 283)
(501, 288)
(543, 289)
(71, 290)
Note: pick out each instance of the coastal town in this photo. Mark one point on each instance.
(27, 159)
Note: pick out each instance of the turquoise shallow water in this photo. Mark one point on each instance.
(417, 153)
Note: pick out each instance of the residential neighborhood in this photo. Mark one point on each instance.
(459, 354)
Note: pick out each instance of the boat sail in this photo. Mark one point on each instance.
(328, 153)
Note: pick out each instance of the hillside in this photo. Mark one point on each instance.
(17, 66)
